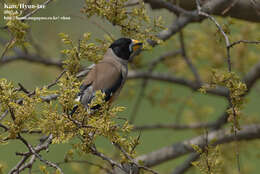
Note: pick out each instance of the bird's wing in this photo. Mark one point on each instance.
(85, 71)
(104, 76)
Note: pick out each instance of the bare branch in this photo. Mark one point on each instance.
(202, 13)
(186, 164)
(209, 7)
(176, 26)
(31, 58)
(16, 169)
(243, 41)
(103, 29)
(27, 165)
(252, 76)
(53, 96)
(35, 10)
(230, 6)
(49, 163)
(255, 4)
(6, 48)
(250, 8)
(22, 88)
(154, 62)
(187, 59)
(4, 115)
(250, 79)
(169, 6)
(21, 165)
(181, 108)
(220, 91)
(174, 126)
(133, 167)
(248, 132)
(57, 79)
(105, 158)
(151, 66)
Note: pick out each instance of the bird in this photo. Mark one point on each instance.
(109, 74)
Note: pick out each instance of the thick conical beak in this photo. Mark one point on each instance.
(136, 45)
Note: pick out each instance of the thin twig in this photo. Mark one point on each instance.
(21, 165)
(49, 163)
(6, 48)
(103, 29)
(255, 6)
(4, 127)
(4, 115)
(187, 59)
(200, 12)
(27, 165)
(137, 142)
(229, 7)
(32, 58)
(173, 126)
(220, 91)
(51, 84)
(171, 7)
(38, 48)
(228, 47)
(105, 158)
(35, 10)
(133, 163)
(56, 80)
(243, 41)
(206, 150)
(181, 108)
(152, 65)
(22, 88)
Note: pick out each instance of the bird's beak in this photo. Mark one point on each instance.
(136, 45)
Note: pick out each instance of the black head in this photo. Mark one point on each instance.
(124, 47)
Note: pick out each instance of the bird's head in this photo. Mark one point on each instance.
(124, 47)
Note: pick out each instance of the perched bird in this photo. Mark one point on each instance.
(109, 74)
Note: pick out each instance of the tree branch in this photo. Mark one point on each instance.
(186, 164)
(248, 132)
(220, 91)
(187, 59)
(31, 58)
(202, 13)
(243, 41)
(174, 126)
(169, 6)
(252, 76)
(250, 9)
(151, 66)
(35, 10)
(21, 165)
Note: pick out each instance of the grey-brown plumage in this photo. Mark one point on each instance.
(108, 75)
